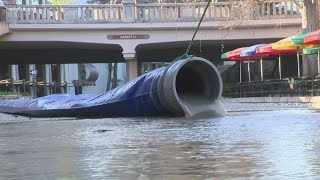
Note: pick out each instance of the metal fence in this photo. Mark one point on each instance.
(24, 87)
(145, 12)
(274, 88)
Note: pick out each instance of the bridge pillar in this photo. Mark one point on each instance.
(131, 65)
(48, 78)
(14, 72)
(33, 86)
(63, 79)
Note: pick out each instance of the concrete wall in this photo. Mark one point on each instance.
(101, 82)
(4, 28)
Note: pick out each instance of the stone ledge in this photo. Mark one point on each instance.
(308, 99)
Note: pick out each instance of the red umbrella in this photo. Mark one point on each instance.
(235, 55)
(250, 52)
(267, 49)
(313, 38)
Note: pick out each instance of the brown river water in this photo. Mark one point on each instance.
(253, 141)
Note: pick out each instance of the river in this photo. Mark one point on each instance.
(266, 141)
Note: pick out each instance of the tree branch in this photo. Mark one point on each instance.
(297, 4)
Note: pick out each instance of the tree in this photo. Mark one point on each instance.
(310, 22)
(61, 2)
(244, 11)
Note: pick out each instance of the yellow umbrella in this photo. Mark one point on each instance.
(286, 45)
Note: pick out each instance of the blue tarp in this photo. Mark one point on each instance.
(136, 98)
(157, 93)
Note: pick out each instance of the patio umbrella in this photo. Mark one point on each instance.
(313, 38)
(286, 44)
(310, 51)
(224, 55)
(267, 49)
(313, 51)
(300, 38)
(251, 52)
(235, 55)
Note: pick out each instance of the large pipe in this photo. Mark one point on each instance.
(185, 88)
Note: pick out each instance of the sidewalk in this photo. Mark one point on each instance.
(313, 100)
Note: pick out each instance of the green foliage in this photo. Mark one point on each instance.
(9, 95)
(61, 2)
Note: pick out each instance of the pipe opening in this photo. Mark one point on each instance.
(199, 80)
(189, 82)
(198, 86)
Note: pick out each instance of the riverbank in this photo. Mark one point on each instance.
(312, 101)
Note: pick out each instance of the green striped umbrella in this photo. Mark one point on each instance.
(299, 39)
(224, 56)
(310, 51)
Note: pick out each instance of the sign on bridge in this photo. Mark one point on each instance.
(128, 36)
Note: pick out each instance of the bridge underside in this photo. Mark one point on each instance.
(68, 52)
(58, 53)
(210, 50)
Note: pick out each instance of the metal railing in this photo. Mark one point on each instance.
(143, 12)
(274, 88)
(64, 13)
(23, 86)
(216, 11)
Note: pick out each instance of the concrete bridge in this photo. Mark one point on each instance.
(131, 32)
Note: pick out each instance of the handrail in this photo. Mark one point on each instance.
(144, 12)
(64, 6)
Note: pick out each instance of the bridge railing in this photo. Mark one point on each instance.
(64, 13)
(146, 12)
(216, 11)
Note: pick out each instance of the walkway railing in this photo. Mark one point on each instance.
(147, 12)
(23, 86)
(64, 13)
(274, 88)
(216, 11)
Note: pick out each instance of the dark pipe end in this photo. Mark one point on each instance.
(192, 82)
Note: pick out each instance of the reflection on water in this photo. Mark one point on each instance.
(272, 144)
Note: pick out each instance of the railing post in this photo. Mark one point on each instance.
(71, 14)
(129, 7)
